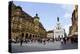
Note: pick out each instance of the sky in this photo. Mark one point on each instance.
(48, 13)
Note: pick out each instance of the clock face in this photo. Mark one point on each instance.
(36, 28)
(17, 11)
(36, 20)
(58, 27)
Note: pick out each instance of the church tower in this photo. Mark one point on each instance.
(36, 22)
(58, 30)
(58, 24)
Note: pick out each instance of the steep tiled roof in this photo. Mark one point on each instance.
(51, 31)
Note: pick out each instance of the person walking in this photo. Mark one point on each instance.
(44, 42)
(61, 40)
(21, 42)
(64, 40)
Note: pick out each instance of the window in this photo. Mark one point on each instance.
(20, 19)
(12, 25)
(13, 18)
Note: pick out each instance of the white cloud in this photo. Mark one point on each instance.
(68, 8)
(67, 15)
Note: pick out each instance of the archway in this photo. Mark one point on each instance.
(22, 35)
(26, 36)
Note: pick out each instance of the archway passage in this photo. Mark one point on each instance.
(22, 35)
(33, 36)
(26, 36)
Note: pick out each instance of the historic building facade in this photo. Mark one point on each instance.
(59, 31)
(50, 34)
(73, 30)
(25, 26)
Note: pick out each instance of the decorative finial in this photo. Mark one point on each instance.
(58, 19)
(36, 14)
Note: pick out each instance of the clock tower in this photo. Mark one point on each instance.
(36, 22)
(58, 30)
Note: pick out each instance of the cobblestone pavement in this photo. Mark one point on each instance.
(35, 46)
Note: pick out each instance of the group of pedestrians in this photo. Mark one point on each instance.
(64, 40)
(32, 41)
(67, 40)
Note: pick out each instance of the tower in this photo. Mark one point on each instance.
(36, 19)
(36, 22)
(58, 19)
(58, 24)
(58, 31)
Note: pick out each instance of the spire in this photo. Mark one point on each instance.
(58, 19)
(36, 15)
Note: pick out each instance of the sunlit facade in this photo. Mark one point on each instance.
(25, 26)
(58, 30)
